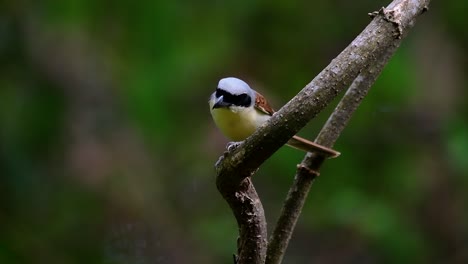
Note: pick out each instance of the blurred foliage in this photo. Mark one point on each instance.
(107, 146)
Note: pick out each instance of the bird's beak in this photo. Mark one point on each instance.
(220, 103)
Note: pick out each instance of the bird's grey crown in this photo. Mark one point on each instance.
(236, 86)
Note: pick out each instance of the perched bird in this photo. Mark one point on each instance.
(238, 111)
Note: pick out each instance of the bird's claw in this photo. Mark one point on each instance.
(231, 146)
(219, 161)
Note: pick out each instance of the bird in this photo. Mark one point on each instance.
(238, 111)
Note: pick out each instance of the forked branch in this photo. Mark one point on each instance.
(378, 40)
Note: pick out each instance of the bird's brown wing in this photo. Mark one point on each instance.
(261, 104)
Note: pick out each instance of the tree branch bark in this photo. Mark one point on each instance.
(381, 36)
(308, 170)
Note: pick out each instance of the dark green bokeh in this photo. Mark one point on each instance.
(107, 146)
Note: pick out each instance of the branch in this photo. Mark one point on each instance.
(384, 33)
(308, 170)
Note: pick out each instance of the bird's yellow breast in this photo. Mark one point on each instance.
(237, 124)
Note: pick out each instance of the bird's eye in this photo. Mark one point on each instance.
(243, 100)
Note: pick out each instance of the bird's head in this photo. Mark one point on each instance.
(233, 92)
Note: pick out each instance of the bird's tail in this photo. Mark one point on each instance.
(309, 146)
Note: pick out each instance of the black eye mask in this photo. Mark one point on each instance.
(237, 100)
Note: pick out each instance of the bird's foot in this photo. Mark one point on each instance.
(231, 146)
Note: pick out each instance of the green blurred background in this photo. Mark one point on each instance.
(107, 146)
